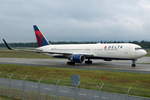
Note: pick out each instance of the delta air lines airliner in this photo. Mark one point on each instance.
(84, 53)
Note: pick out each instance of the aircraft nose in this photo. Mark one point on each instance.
(144, 52)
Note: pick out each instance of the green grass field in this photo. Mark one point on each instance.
(118, 82)
(5, 98)
(21, 54)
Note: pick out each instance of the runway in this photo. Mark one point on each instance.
(143, 64)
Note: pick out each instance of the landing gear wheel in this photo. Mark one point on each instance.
(70, 63)
(88, 62)
(133, 63)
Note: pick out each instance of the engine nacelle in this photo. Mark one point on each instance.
(77, 58)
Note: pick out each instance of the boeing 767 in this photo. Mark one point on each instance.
(84, 53)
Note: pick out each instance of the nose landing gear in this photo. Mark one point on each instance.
(133, 63)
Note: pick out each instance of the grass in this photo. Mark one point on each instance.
(21, 54)
(118, 82)
(5, 98)
(17, 94)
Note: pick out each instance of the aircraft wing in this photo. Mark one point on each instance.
(40, 51)
(65, 53)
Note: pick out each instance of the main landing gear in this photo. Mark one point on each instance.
(70, 63)
(73, 63)
(133, 63)
(88, 61)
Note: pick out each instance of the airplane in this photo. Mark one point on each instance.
(84, 53)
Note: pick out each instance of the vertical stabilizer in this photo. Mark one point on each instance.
(41, 40)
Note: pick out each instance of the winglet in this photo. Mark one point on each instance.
(7, 45)
(41, 40)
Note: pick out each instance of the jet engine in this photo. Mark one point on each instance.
(77, 58)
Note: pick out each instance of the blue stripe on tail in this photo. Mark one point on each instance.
(41, 40)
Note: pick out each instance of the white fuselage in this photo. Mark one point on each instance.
(111, 50)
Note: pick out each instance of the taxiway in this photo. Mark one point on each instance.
(143, 64)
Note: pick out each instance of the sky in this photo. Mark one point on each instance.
(75, 20)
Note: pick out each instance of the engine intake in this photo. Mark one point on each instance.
(77, 58)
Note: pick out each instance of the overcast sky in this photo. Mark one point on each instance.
(75, 20)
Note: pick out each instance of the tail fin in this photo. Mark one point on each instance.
(41, 40)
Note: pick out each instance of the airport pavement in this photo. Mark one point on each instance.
(143, 64)
(64, 91)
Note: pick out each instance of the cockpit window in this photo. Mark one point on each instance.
(138, 48)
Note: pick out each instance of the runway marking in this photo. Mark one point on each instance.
(33, 86)
(47, 88)
(104, 97)
(96, 96)
(82, 94)
(64, 91)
